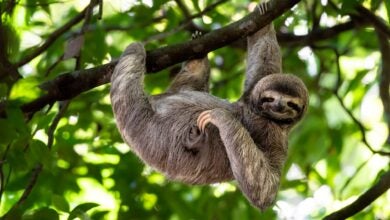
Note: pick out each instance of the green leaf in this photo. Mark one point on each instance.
(99, 215)
(90, 52)
(25, 89)
(16, 117)
(60, 203)
(16, 156)
(80, 211)
(43, 214)
(7, 132)
(10, 41)
(349, 6)
(38, 152)
(387, 4)
(45, 6)
(42, 120)
(196, 5)
(375, 4)
(357, 81)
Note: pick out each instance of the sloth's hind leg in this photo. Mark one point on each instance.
(194, 74)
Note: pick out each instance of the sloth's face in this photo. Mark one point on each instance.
(280, 107)
(281, 98)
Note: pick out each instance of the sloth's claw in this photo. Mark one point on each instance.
(203, 119)
(263, 7)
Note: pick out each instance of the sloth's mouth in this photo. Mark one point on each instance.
(279, 117)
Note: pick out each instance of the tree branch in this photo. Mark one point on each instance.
(384, 77)
(69, 85)
(364, 200)
(376, 21)
(35, 174)
(353, 175)
(349, 112)
(319, 34)
(186, 24)
(207, 9)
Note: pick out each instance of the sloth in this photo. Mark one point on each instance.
(194, 137)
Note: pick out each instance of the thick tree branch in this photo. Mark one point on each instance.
(364, 200)
(167, 56)
(70, 85)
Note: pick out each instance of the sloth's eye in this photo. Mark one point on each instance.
(294, 106)
(266, 99)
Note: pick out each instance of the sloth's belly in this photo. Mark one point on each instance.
(201, 162)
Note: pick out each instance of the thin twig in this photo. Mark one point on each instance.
(52, 38)
(53, 126)
(27, 191)
(383, 34)
(360, 167)
(183, 8)
(63, 105)
(320, 34)
(335, 91)
(361, 127)
(107, 28)
(52, 66)
(187, 24)
(363, 200)
(164, 35)
(207, 9)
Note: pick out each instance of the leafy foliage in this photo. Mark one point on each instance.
(68, 161)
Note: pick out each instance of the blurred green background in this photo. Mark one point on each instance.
(68, 160)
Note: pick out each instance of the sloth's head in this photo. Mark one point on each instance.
(282, 98)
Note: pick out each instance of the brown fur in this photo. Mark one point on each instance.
(244, 141)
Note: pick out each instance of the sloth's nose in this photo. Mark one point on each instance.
(279, 106)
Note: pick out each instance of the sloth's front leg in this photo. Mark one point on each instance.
(257, 179)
